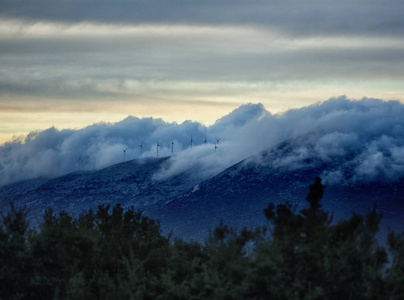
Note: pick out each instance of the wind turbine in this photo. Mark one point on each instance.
(158, 145)
(141, 149)
(205, 141)
(218, 139)
(191, 142)
(172, 147)
(124, 153)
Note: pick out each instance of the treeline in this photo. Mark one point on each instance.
(117, 254)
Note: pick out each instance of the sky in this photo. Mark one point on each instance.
(73, 63)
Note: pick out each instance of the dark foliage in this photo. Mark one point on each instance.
(117, 254)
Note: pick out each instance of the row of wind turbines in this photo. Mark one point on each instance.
(192, 143)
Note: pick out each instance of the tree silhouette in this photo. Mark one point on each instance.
(117, 253)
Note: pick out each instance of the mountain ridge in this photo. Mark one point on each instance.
(190, 207)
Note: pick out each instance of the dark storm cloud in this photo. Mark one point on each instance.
(291, 17)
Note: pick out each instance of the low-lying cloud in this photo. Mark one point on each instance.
(365, 137)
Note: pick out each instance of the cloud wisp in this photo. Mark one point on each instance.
(367, 136)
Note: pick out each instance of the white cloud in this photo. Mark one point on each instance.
(365, 137)
(358, 140)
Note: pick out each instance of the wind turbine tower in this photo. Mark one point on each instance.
(172, 147)
(158, 145)
(215, 147)
(141, 149)
(124, 153)
(191, 142)
(205, 141)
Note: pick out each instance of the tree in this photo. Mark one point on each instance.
(113, 253)
(396, 272)
(15, 260)
(308, 258)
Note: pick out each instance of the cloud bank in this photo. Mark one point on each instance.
(365, 137)
(54, 53)
(318, 17)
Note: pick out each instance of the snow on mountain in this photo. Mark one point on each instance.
(238, 195)
(129, 183)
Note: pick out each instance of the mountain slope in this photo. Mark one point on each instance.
(130, 184)
(238, 195)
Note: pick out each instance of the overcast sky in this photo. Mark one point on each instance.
(70, 63)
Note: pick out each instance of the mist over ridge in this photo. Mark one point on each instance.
(365, 136)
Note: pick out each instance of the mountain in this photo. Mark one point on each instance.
(190, 207)
(238, 195)
(129, 183)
